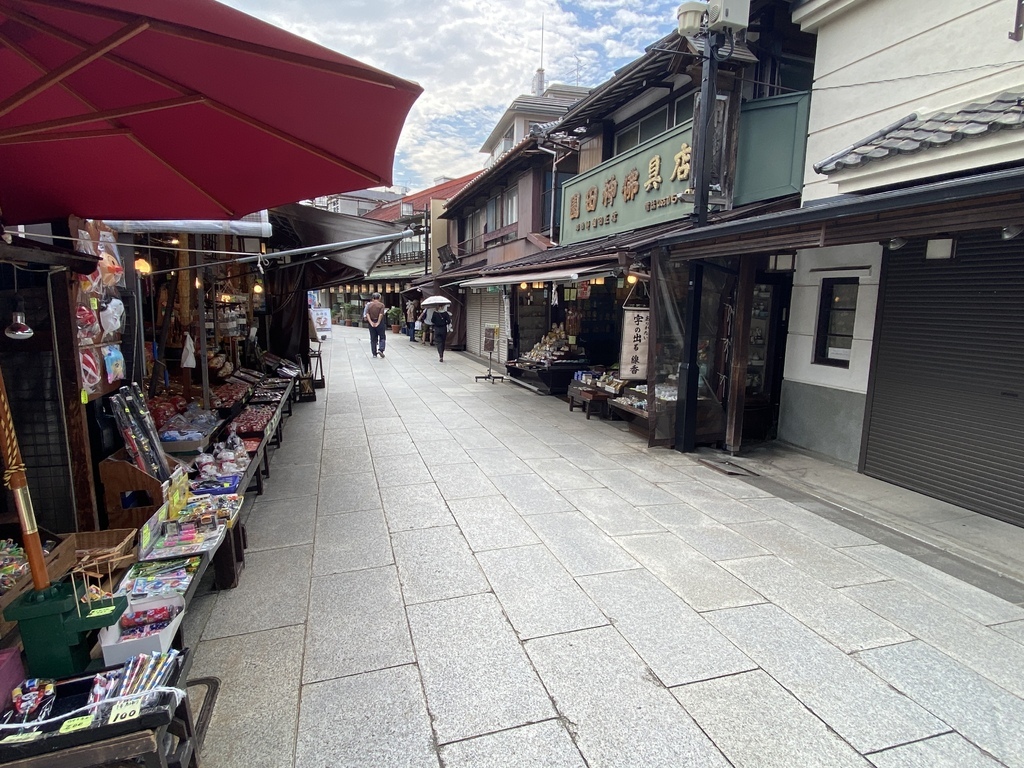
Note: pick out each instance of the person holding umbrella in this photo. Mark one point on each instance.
(441, 321)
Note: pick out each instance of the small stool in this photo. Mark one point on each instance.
(592, 396)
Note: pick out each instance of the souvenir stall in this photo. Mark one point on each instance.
(563, 329)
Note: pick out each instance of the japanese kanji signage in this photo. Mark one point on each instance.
(633, 353)
(640, 187)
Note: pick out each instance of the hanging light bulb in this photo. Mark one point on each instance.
(198, 283)
(18, 329)
(631, 279)
(143, 267)
(523, 286)
(258, 287)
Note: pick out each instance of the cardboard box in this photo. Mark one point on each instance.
(131, 496)
(115, 652)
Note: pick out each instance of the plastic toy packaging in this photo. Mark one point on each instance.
(163, 613)
(112, 318)
(206, 465)
(33, 699)
(90, 365)
(88, 323)
(113, 361)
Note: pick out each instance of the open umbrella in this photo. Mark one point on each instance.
(435, 301)
(148, 109)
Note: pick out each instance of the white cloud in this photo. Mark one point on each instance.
(472, 57)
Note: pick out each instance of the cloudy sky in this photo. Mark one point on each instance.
(472, 57)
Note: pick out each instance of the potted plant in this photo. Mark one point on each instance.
(395, 319)
(351, 314)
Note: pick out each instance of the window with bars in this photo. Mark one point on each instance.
(837, 311)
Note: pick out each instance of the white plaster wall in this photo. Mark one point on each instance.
(867, 48)
(832, 262)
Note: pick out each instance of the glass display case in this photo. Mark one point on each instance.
(760, 337)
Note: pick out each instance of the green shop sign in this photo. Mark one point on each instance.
(647, 185)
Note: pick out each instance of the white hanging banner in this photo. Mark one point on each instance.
(636, 323)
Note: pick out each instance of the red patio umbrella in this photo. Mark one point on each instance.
(152, 109)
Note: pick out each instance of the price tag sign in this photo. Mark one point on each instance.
(145, 536)
(106, 610)
(124, 711)
(85, 396)
(94, 303)
(19, 737)
(76, 724)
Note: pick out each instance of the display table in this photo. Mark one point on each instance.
(589, 399)
(547, 378)
(145, 736)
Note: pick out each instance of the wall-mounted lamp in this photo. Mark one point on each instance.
(574, 276)
(143, 267)
(523, 286)
(1011, 231)
(896, 243)
(631, 279)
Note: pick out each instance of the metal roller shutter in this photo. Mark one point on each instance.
(489, 311)
(946, 407)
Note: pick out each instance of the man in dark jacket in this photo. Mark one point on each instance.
(374, 315)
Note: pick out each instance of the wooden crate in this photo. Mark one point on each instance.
(118, 541)
(120, 478)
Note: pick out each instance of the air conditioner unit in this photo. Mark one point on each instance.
(728, 14)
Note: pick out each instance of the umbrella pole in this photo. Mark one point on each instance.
(14, 478)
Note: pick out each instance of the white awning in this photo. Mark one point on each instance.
(566, 274)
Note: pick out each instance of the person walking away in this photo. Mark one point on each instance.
(374, 315)
(410, 320)
(428, 329)
(441, 321)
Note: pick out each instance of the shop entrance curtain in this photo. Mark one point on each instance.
(153, 109)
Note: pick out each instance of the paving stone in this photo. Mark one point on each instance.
(356, 624)
(703, 584)
(348, 493)
(855, 703)
(530, 495)
(694, 492)
(980, 605)
(679, 513)
(836, 617)
(498, 461)
(290, 480)
(280, 523)
(538, 594)
(408, 507)
(257, 708)
(633, 488)
(342, 460)
(677, 643)
(474, 437)
(984, 650)
(734, 487)
(590, 459)
(729, 511)
(383, 426)
(352, 438)
(435, 564)
(462, 481)
(610, 512)
(542, 745)
(435, 453)
(394, 445)
(982, 712)
(475, 672)
(563, 475)
(716, 541)
(818, 528)
(370, 720)
(618, 714)
(491, 522)
(529, 448)
(260, 601)
(1013, 630)
(951, 750)
(351, 542)
(580, 546)
(408, 470)
(648, 467)
(822, 563)
(755, 722)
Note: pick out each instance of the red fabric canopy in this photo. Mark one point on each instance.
(150, 109)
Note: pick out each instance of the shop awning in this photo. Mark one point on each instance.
(548, 276)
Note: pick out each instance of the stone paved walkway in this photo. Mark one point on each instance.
(450, 573)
